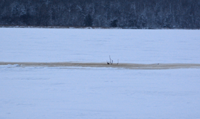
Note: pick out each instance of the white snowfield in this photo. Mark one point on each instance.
(99, 91)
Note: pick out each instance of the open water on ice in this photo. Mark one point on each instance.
(99, 93)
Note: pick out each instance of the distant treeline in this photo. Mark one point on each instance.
(181, 14)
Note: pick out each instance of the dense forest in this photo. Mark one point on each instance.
(155, 14)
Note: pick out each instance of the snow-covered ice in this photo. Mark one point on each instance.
(95, 45)
(98, 93)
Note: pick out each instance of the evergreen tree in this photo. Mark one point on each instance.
(88, 21)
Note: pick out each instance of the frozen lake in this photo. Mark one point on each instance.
(98, 93)
(95, 45)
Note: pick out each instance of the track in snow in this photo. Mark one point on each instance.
(120, 65)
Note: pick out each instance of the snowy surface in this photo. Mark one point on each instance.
(79, 93)
(98, 93)
(95, 45)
